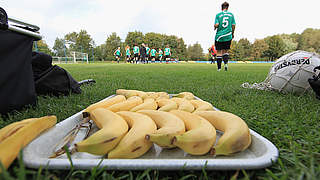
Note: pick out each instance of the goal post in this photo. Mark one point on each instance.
(75, 57)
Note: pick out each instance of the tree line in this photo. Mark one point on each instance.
(267, 49)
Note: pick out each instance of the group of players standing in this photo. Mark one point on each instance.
(224, 24)
(143, 54)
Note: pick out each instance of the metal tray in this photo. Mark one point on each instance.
(260, 154)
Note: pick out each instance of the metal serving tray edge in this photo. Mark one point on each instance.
(261, 153)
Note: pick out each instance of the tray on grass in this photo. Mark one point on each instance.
(260, 154)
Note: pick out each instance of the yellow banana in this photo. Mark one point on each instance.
(112, 128)
(201, 105)
(166, 105)
(186, 95)
(163, 95)
(236, 135)
(168, 125)
(12, 128)
(148, 103)
(183, 104)
(134, 143)
(106, 103)
(199, 137)
(129, 93)
(11, 146)
(126, 105)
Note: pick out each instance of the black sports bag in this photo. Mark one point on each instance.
(56, 81)
(315, 83)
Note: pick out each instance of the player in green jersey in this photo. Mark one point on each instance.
(160, 54)
(225, 26)
(128, 53)
(167, 53)
(136, 53)
(117, 53)
(147, 53)
(153, 53)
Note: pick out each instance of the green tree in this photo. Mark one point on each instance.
(42, 46)
(276, 47)
(58, 47)
(195, 52)
(241, 50)
(258, 48)
(133, 38)
(310, 40)
(112, 43)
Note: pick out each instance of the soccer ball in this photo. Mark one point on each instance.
(290, 73)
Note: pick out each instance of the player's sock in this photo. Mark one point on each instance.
(219, 61)
(225, 58)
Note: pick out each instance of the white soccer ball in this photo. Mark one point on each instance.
(290, 73)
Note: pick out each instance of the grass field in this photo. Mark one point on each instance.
(290, 122)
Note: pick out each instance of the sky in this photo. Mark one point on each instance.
(191, 20)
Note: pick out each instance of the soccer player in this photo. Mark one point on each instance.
(128, 53)
(225, 26)
(160, 54)
(147, 53)
(136, 53)
(143, 53)
(117, 53)
(212, 53)
(153, 53)
(167, 53)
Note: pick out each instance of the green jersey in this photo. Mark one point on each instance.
(136, 50)
(128, 52)
(118, 52)
(225, 20)
(160, 53)
(167, 51)
(147, 50)
(153, 52)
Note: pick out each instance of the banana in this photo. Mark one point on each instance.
(112, 129)
(11, 146)
(130, 93)
(134, 143)
(126, 105)
(12, 128)
(106, 103)
(163, 95)
(183, 104)
(236, 135)
(148, 103)
(166, 105)
(199, 137)
(168, 125)
(201, 105)
(186, 95)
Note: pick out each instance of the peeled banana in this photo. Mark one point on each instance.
(199, 137)
(148, 103)
(126, 105)
(168, 125)
(166, 105)
(201, 105)
(112, 129)
(186, 95)
(183, 104)
(134, 143)
(11, 145)
(130, 93)
(236, 134)
(106, 103)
